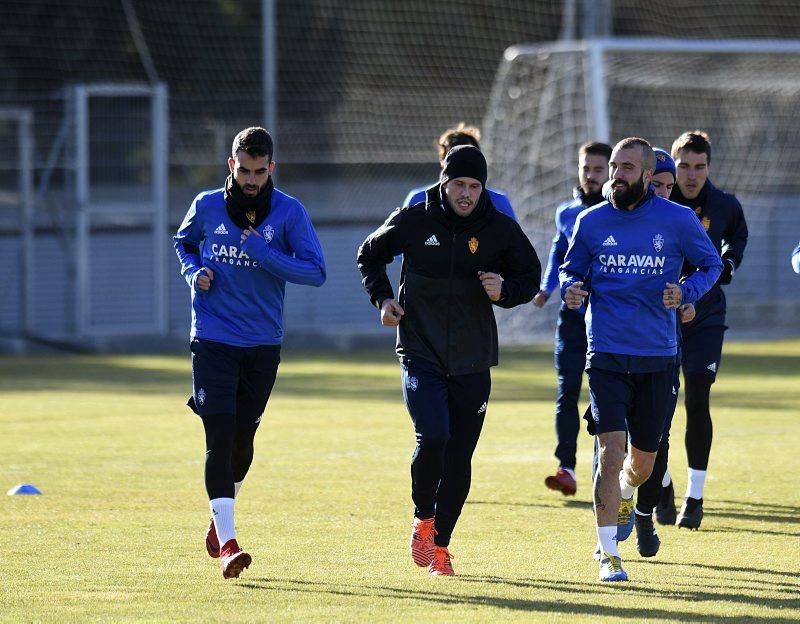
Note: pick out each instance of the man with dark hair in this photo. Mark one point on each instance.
(570, 350)
(628, 253)
(461, 257)
(461, 134)
(723, 220)
(238, 246)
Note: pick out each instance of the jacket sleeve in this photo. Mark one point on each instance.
(557, 252)
(306, 264)
(577, 261)
(378, 250)
(734, 238)
(523, 273)
(701, 253)
(187, 244)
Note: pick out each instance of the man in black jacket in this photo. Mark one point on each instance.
(460, 257)
(723, 219)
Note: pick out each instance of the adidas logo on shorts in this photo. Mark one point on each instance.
(610, 242)
(433, 241)
(712, 367)
(221, 229)
(483, 407)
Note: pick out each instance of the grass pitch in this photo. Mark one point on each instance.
(325, 511)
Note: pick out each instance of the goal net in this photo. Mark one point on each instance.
(550, 99)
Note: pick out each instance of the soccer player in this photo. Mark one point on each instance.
(461, 257)
(461, 134)
(238, 246)
(723, 219)
(628, 253)
(570, 351)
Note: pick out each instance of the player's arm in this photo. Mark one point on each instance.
(378, 250)
(306, 264)
(523, 272)
(557, 252)
(734, 241)
(701, 253)
(187, 246)
(574, 271)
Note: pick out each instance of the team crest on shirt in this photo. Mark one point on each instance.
(658, 242)
(704, 220)
(473, 245)
(201, 396)
(269, 233)
(412, 383)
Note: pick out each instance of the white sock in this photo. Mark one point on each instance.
(236, 487)
(607, 535)
(222, 512)
(569, 471)
(625, 488)
(697, 481)
(667, 479)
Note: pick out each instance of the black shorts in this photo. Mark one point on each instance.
(232, 380)
(634, 402)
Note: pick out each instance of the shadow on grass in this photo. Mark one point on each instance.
(577, 504)
(722, 568)
(756, 512)
(543, 606)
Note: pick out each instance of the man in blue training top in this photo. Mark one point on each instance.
(723, 219)
(570, 351)
(238, 246)
(461, 134)
(626, 256)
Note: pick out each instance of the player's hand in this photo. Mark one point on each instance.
(391, 313)
(687, 312)
(492, 284)
(574, 295)
(249, 232)
(672, 296)
(540, 298)
(204, 278)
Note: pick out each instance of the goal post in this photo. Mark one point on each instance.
(549, 99)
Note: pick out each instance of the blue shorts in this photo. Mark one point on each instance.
(232, 380)
(634, 402)
(570, 351)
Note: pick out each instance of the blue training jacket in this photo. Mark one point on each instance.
(625, 259)
(566, 214)
(499, 200)
(244, 306)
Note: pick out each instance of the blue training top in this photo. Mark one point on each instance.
(625, 259)
(244, 306)
(499, 200)
(566, 214)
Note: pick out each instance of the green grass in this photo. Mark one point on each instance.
(325, 511)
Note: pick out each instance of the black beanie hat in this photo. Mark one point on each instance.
(464, 161)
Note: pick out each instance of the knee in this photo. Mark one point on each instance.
(429, 447)
(611, 456)
(641, 467)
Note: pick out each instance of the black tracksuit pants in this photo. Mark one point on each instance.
(448, 414)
